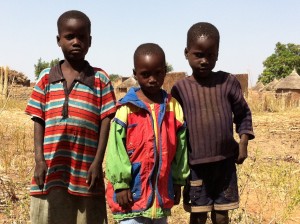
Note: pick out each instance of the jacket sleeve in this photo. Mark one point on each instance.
(118, 166)
(180, 168)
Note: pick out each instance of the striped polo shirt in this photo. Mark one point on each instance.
(72, 120)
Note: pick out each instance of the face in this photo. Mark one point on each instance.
(150, 72)
(202, 55)
(74, 39)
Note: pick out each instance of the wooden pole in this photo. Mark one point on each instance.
(5, 83)
(1, 80)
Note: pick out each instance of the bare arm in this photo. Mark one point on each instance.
(40, 163)
(95, 171)
(243, 151)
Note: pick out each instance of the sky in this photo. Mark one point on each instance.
(249, 31)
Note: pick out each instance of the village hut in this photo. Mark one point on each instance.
(258, 87)
(117, 81)
(290, 85)
(127, 84)
(271, 86)
(171, 78)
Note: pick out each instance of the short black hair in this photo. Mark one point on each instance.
(202, 29)
(148, 49)
(73, 14)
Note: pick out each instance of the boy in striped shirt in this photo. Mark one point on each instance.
(71, 105)
(212, 102)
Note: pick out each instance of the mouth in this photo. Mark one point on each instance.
(153, 86)
(76, 51)
(204, 70)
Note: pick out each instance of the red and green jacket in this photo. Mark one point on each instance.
(146, 153)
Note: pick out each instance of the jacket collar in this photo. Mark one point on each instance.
(132, 98)
(86, 76)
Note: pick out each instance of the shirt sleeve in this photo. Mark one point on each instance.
(118, 166)
(108, 98)
(37, 101)
(176, 95)
(242, 116)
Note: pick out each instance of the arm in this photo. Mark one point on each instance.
(40, 163)
(242, 119)
(118, 165)
(243, 152)
(242, 116)
(180, 168)
(95, 170)
(107, 112)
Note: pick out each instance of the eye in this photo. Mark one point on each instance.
(212, 55)
(69, 36)
(160, 73)
(82, 37)
(200, 55)
(145, 74)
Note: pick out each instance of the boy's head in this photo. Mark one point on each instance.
(73, 14)
(202, 48)
(74, 29)
(149, 67)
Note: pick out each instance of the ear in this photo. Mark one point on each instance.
(57, 40)
(90, 41)
(186, 51)
(134, 73)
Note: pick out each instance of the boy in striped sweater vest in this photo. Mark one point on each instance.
(212, 102)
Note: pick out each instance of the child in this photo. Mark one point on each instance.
(146, 161)
(212, 102)
(71, 106)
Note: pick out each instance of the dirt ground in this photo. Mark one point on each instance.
(277, 139)
(277, 134)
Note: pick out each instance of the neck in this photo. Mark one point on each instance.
(150, 98)
(74, 65)
(202, 77)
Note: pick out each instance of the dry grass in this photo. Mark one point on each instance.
(271, 102)
(268, 180)
(16, 162)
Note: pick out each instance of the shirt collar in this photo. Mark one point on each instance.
(86, 76)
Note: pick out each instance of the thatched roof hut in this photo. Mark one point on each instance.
(290, 85)
(258, 87)
(127, 84)
(171, 78)
(271, 86)
(291, 82)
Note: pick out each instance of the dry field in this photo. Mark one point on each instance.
(268, 180)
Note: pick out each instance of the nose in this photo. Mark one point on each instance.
(152, 79)
(204, 61)
(76, 41)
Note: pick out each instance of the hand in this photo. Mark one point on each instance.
(40, 171)
(177, 194)
(124, 197)
(243, 153)
(94, 175)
